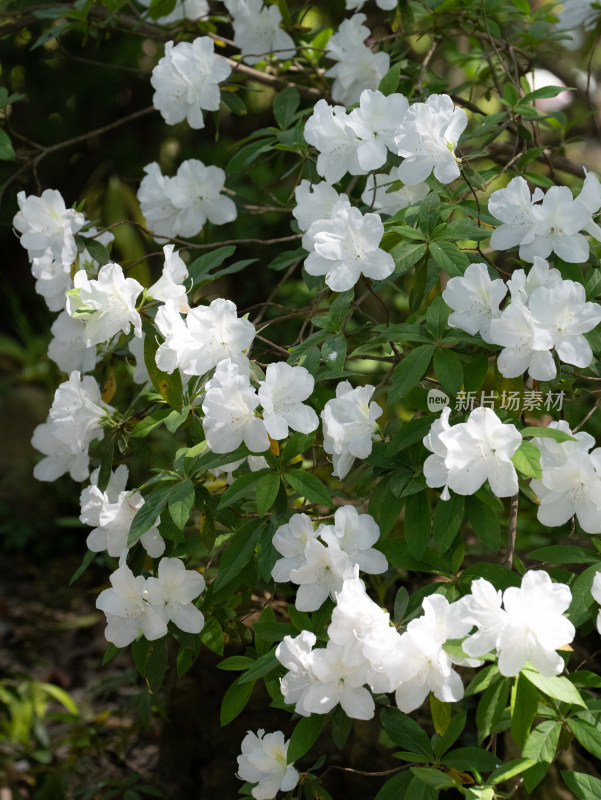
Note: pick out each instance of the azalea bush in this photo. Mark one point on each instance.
(376, 490)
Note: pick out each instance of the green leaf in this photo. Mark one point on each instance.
(7, 152)
(148, 424)
(234, 701)
(161, 8)
(212, 636)
(333, 353)
(238, 553)
(168, 386)
(448, 369)
(401, 601)
(405, 732)
(176, 419)
(201, 267)
(262, 666)
(180, 502)
(410, 371)
(285, 106)
(510, 770)
(234, 102)
(390, 82)
(308, 485)
(396, 787)
(510, 94)
(526, 460)
(484, 522)
(449, 258)
(437, 316)
(271, 631)
(87, 560)
(146, 516)
(241, 487)
(450, 736)
(433, 777)
(96, 249)
(587, 735)
(447, 521)
(417, 524)
(548, 433)
(106, 463)
(585, 787)
(582, 599)
(406, 255)
(236, 663)
(470, 758)
(557, 687)
(544, 92)
(156, 664)
(541, 746)
(304, 736)
(441, 715)
(491, 707)
(524, 704)
(246, 155)
(341, 727)
(482, 680)
(566, 554)
(266, 491)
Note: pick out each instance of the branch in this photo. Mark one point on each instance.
(511, 534)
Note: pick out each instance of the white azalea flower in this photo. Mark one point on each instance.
(257, 30)
(516, 208)
(321, 574)
(60, 456)
(315, 201)
(136, 348)
(355, 534)
(207, 335)
(127, 612)
(521, 285)
(526, 344)
(576, 14)
(475, 300)
(381, 197)
(346, 247)
(172, 592)
(290, 541)
(467, 454)
(357, 66)
(349, 425)
(295, 654)
(338, 682)
(281, 394)
(68, 348)
(170, 285)
(156, 204)
(111, 514)
(228, 406)
(53, 280)
(596, 592)
(107, 305)
(428, 138)
(196, 191)
(531, 628)
(77, 409)
(186, 81)
(327, 130)
(375, 123)
(47, 227)
(264, 761)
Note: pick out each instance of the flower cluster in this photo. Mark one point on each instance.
(181, 205)
(135, 604)
(357, 66)
(320, 570)
(546, 313)
(257, 30)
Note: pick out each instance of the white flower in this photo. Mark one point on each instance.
(576, 13)
(257, 30)
(264, 761)
(521, 285)
(127, 611)
(375, 123)
(77, 409)
(386, 5)
(53, 280)
(296, 656)
(426, 666)
(228, 407)
(136, 348)
(47, 226)
(106, 305)
(186, 80)
(290, 541)
(327, 130)
(526, 344)
(596, 592)
(208, 335)
(531, 628)
(196, 192)
(112, 512)
(335, 682)
(60, 456)
(475, 300)
(315, 201)
(346, 247)
(172, 593)
(68, 347)
(184, 9)
(358, 68)
(321, 575)
(349, 425)
(355, 534)
(170, 285)
(381, 197)
(427, 140)
(281, 394)
(515, 207)
(155, 202)
(467, 454)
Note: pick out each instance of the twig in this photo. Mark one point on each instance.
(511, 533)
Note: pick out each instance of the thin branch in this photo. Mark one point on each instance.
(511, 533)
